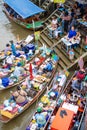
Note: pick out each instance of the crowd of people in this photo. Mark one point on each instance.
(67, 19)
(67, 24)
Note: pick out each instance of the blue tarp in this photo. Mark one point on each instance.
(24, 8)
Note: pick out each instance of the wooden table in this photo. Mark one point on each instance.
(68, 44)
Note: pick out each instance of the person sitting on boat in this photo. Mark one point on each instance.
(9, 60)
(80, 74)
(19, 71)
(24, 48)
(48, 67)
(14, 51)
(20, 96)
(7, 49)
(77, 85)
(40, 118)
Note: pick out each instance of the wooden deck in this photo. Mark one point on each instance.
(64, 61)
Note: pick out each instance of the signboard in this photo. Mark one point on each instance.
(59, 1)
(37, 35)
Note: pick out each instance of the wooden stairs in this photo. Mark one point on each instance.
(46, 5)
(64, 61)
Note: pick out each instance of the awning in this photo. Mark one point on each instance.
(24, 8)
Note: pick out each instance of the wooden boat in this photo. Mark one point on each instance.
(10, 61)
(69, 109)
(48, 102)
(36, 60)
(21, 13)
(37, 86)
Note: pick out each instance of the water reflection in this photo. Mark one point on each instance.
(9, 29)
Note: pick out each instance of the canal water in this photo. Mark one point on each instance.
(9, 31)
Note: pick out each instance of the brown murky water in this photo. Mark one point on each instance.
(9, 31)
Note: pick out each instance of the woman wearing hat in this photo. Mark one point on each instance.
(20, 96)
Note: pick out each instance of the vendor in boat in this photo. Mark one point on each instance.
(40, 118)
(9, 60)
(7, 49)
(25, 49)
(48, 67)
(19, 71)
(80, 74)
(20, 96)
(77, 85)
(14, 51)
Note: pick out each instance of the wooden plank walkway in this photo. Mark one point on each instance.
(64, 61)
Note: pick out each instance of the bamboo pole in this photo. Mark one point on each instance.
(18, 39)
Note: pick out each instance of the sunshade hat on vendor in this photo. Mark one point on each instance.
(39, 109)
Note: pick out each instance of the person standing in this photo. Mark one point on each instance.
(13, 48)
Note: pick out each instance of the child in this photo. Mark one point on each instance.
(71, 54)
(58, 31)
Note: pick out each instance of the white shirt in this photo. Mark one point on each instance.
(54, 21)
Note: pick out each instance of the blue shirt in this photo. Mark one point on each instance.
(13, 49)
(71, 33)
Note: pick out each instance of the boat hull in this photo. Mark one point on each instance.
(31, 26)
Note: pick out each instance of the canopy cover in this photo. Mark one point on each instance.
(24, 8)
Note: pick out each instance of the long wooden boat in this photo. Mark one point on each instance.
(48, 102)
(10, 61)
(38, 85)
(37, 60)
(28, 19)
(69, 109)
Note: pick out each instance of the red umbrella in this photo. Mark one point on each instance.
(31, 72)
